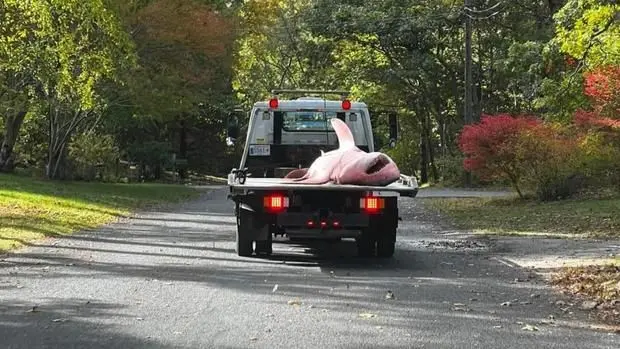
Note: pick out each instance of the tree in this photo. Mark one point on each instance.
(65, 50)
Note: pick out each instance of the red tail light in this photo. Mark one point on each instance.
(372, 204)
(275, 203)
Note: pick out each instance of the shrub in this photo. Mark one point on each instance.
(553, 159)
(491, 148)
(152, 157)
(93, 155)
(406, 155)
(530, 154)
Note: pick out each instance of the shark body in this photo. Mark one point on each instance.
(348, 164)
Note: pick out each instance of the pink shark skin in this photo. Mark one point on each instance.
(348, 164)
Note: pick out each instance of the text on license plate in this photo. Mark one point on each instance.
(260, 150)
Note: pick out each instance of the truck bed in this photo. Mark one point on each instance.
(407, 186)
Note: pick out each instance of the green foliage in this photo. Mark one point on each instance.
(93, 155)
(452, 172)
(406, 156)
(152, 156)
(588, 30)
(552, 168)
(32, 149)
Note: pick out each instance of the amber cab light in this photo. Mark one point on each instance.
(372, 204)
(275, 203)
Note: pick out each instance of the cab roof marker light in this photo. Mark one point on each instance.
(346, 104)
(273, 103)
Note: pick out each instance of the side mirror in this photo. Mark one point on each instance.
(393, 124)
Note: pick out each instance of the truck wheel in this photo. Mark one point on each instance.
(365, 245)
(243, 245)
(386, 245)
(265, 247)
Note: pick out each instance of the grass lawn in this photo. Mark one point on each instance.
(33, 209)
(507, 216)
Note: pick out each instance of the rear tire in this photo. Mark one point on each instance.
(365, 245)
(385, 247)
(265, 247)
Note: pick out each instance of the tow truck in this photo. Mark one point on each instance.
(288, 134)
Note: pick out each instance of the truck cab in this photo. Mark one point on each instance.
(288, 134)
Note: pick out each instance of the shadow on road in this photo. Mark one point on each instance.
(428, 294)
(65, 323)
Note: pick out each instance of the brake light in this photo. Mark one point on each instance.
(273, 103)
(372, 204)
(275, 203)
(346, 104)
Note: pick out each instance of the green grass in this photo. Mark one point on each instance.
(33, 209)
(508, 216)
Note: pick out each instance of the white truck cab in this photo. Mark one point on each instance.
(287, 134)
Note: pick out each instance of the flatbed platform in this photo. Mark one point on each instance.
(406, 186)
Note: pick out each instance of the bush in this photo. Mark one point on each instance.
(152, 157)
(452, 172)
(93, 156)
(491, 148)
(554, 161)
(406, 155)
(542, 157)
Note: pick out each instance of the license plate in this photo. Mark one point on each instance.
(260, 150)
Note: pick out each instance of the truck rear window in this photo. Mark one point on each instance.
(307, 121)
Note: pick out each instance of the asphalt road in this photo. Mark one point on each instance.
(171, 279)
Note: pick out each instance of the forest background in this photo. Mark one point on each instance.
(132, 90)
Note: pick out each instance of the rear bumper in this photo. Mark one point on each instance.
(346, 221)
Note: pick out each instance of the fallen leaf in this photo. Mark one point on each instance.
(367, 315)
(294, 302)
(589, 305)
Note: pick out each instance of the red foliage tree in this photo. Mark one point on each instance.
(602, 86)
(492, 147)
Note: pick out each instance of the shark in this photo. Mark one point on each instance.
(348, 164)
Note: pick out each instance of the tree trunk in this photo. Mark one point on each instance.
(11, 134)
(424, 151)
(183, 150)
(429, 147)
(423, 160)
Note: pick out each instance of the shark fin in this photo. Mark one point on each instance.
(345, 137)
